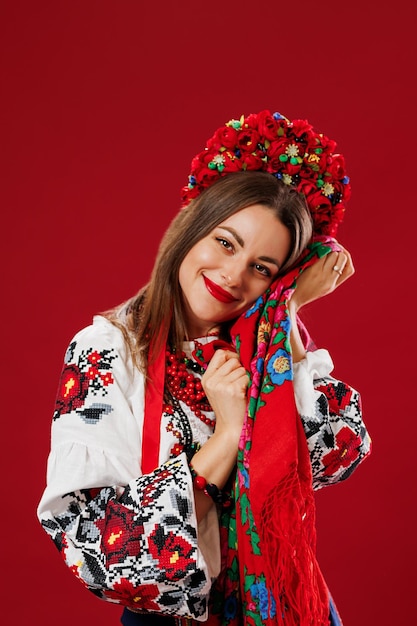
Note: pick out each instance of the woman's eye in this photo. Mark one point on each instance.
(263, 270)
(224, 243)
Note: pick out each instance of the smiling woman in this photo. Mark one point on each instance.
(193, 421)
(232, 271)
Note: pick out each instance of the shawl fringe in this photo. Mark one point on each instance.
(287, 527)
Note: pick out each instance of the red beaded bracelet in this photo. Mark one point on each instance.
(200, 482)
(210, 489)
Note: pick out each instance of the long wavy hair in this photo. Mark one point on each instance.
(156, 313)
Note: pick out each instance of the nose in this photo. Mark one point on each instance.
(233, 274)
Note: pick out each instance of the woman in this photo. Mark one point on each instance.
(182, 407)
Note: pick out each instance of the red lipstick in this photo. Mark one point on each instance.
(217, 292)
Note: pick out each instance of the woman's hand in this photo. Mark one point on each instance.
(317, 281)
(322, 278)
(225, 383)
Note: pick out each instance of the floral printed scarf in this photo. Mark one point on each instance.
(270, 574)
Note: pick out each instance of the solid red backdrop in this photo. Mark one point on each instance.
(104, 104)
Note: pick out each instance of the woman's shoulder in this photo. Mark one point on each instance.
(100, 335)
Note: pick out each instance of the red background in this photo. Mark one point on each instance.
(104, 104)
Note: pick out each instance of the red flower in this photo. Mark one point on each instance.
(252, 161)
(274, 151)
(336, 167)
(141, 597)
(120, 534)
(248, 140)
(300, 128)
(176, 449)
(72, 390)
(265, 123)
(107, 378)
(92, 373)
(226, 137)
(173, 553)
(346, 452)
(231, 163)
(94, 358)
(328, 145)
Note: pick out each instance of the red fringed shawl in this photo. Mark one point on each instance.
(270, 574)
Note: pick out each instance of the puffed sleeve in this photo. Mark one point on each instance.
(130, 538)
(331, 414)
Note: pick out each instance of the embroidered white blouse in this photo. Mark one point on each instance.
(133, 538)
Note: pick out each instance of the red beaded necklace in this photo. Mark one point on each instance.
(184, 386)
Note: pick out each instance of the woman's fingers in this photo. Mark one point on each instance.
(225, 383)
(323, 277)
(225, 368)
(341, 263)
(224, 360)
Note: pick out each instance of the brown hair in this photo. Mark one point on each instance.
(156, 312)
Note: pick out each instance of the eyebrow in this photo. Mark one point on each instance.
(240, 241)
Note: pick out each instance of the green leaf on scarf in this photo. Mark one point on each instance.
(247, 519)
(268, 387)
(318, 248)
(270, 303)
(322, 250)
(253, 403)
(278, 338)
(256, 617)
(245, 508)
(232, 535)
(233, 570)
(249, 581)
(255, 542)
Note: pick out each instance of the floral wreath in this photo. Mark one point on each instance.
(292, 151)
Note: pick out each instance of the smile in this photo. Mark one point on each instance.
(217, 292)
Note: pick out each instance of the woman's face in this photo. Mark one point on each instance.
(226, 271)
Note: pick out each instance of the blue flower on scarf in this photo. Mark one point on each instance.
(260, 593)
(230, 607)
(255, 307)
(285, 325)
(245, 476)
(280, 367)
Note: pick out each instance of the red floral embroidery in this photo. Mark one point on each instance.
(94, 358)
(176, 449)
(346, 452)
(141, 597)
(173, 553)
(90, 373)
(72, 389)
(107, 379)
(120, 533)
